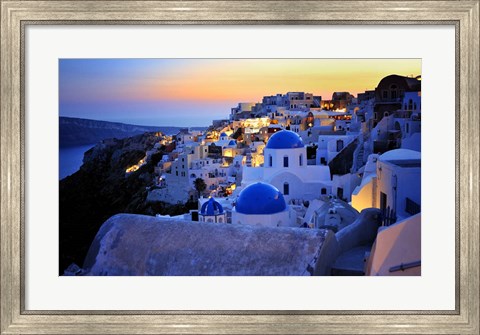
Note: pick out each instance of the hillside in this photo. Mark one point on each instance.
(75, 131)
(101, 189)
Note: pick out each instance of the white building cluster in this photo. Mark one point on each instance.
(295, 160)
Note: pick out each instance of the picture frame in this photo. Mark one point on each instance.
(16, 15)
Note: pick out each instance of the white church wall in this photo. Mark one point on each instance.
(281, 219)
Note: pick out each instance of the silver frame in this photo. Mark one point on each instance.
(16, 15)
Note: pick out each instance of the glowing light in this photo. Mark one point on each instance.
(136, 166)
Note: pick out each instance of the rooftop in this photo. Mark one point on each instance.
(285, 139)
(398, 155)
(260, 198)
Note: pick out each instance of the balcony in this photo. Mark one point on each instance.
(389, 100)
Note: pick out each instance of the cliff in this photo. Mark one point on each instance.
(101, 189)
(75, 131)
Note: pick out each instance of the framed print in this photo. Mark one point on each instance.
(265, 82)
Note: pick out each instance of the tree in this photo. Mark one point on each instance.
(200, 185)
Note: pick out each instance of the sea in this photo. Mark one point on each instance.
(71, 158)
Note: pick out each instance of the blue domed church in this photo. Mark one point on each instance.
(262, 204)
(285, 167)
(212, 211)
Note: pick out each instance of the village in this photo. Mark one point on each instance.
(298, 160)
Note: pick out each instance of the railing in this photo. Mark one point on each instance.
(405, 266)
(386, 100)
(389, 217)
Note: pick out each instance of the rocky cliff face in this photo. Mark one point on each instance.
(74, 131)
(101, 189)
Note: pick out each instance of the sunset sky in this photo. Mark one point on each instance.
(193, 92)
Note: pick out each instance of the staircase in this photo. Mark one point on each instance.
(351, 262)
(360, 154)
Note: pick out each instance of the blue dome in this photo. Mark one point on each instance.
(232, 142)
(285, 139)
(260, 198)
(223, 134)
(211, 207)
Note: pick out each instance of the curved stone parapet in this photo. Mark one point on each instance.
(137, 245)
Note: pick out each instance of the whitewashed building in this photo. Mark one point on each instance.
(396, 185)
(285, 167)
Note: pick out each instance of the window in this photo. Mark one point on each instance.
(339, 145)
(285, 161)
(323, 191)
(270, 160)
(393, 91)
(385, 94)
(220, 219)
(340, 192)
(407, 127)
(300, 160)
(411, 207)
(383, 201)
(286, 189)
(176, 173)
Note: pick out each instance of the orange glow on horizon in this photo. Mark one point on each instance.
(248, 80)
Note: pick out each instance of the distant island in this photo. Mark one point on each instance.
(76, 131)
